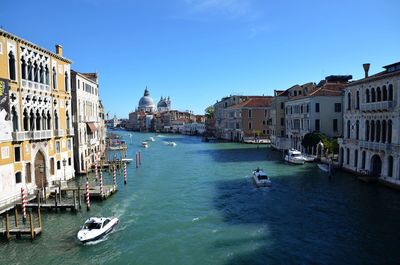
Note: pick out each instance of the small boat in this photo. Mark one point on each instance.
(151, 139)
(323, 167)
(308, 158)
(145, 144)
(261, 178)
(127, 160)
(295, 157)
(96, 227)
(171, 143)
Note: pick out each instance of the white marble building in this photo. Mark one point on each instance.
(371, 142)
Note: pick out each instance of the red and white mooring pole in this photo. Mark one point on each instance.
(101, 185)
(95, 170)
(87, 195)
(115, 175)
(23, 195)
(125, 177)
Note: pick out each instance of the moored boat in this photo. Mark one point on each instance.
(145, 144)
(96, 228)
(151, 139)
(308, 158)
(127, 160)
(261, 178)
(324, 167)
(171, 143)
(294, 157)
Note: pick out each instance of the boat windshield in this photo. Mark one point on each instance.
(296, 155)
(92, 225)
(260, 177)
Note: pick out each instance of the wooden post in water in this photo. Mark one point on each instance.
(16, 217)
(7, 226)
(79, 197)
(38, 198)
(31, 225)
(74, 195)
(140, 158)
(137, 162)
(59, 189)
(45, 195)
(39, 212)
(55, 199)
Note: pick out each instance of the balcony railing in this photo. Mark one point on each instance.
(58, 133)
(70, 131)
(374, 146)
(38, 135)
(32, 84)
(31, 135)
(21, 136)
(376, 106)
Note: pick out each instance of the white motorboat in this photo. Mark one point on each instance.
(151, 139)
(261, 178)
(294, 157)
(96, 227)
(171, 143)
(308, 158)
(323, 167)
(145, 144)
(127, 160)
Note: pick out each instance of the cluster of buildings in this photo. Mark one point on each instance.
(148, 117)
(51, 118)
(363, 115)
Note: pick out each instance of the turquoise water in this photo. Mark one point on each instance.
(193, 204)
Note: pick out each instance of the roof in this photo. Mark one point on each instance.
(28, 43)
(390, 70)
(254, 102)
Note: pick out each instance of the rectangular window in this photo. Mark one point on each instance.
(249, 125)
(70, 144)
(282, 121)
(263, 122)
(18, 178)
(28, 177)
(58, 165)
(58, 147)
(249, 113)
(317, 125)
(338, 107)
(282, 105)
(282, 133)
(335, 125)
(17, 154)
(79, 84)
(316, 107)
(52, 166)
(69, 161)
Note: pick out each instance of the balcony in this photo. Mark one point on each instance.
(374, 146)
(70, 131)
(377, 106)
(21, 136)
(38, 135)
(31, 135)
(35, 85)
(58, 133)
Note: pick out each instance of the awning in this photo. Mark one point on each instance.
(91, 127)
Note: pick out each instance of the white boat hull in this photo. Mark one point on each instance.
(88, 235)
(294, 161)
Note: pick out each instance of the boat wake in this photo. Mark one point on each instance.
(92, 243)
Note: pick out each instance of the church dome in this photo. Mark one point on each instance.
(146, 102)
(162, 103)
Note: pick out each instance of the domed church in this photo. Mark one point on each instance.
(164, 105)
(146, 103)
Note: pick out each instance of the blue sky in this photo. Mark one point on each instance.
(197, 51)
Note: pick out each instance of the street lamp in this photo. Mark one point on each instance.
(64, 165)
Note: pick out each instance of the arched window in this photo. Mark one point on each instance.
(38, 121)
(44, 121)
(66, 81)
(389, 137)
(372, 131)
(384, 131)
(349, 101)
(367, 130)
(378, 94)
(373, 97)
(68, 120)
(14, 115)
(367, 96)
(55, 120)
(363, 159)
(358, 100)
(347, 156)
(378, 131)
(11, 65)
(384, 93)
(390, 166)
(54, 78)
(348, 129)
(41, 74)
(32, 120)
(355, 158)
(47, 76)
(36, 76)
(26, 120)
(30, 72)
(357, 130)
(390, 92)
(23, 68)
(48, 120)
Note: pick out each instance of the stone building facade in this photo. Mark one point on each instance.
(35, 117)
(371, 140)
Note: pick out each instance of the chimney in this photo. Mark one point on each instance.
(366, 69)
(59, 49)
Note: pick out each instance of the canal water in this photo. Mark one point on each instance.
(193, 204)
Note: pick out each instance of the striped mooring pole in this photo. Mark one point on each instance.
(101, 185)
(23, 195)
(137, 162)
(95, 170)
(125, 177)
(87, 194)
(140, 158)
(115, 175)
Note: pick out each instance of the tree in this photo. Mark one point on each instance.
(312, 139)
(209, 111)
